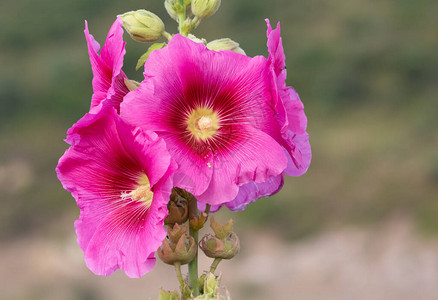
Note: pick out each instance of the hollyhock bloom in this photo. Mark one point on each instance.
(108, 80)
(217, 113)
(289, 111)
(121, 179)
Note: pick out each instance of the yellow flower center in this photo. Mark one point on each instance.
(142, 193)
(203, 123)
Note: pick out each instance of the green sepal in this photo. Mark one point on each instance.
(145, 56)
(168, 295)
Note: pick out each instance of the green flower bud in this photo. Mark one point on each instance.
(197, 40)
(205, 8)
(132, 85)
(173, 8)
(225, 44)
(142, 25)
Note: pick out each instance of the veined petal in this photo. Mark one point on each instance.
(242, 164)
(222, 116)
(107, 162)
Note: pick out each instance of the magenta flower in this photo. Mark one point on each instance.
(108, 80)
(217, 112)
(121, 179)
(289, 111)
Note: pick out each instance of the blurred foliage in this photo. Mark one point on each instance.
(366, 71)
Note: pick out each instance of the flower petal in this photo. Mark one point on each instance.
(252, 191)
(106, 160)
(289, 108)
(108, 80)
(242, 164)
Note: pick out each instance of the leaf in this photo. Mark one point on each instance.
(145, 56)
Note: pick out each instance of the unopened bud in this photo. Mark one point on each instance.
(188, 25)
(220, 248)
(173, 8)
(225, 44)
(197, 40)
(132, 85)
(205, 8)
(142, 25)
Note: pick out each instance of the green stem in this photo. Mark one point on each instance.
(167, 35)
(179, 275)
(193, 266)
(215, 264)
(181, 18)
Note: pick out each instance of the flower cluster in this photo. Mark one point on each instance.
(214, 123)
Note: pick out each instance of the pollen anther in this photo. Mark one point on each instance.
(142, 192)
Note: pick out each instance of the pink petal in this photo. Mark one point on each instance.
(243, 164)
(108, 80)
(289, 108)
(252, 191)
(105, 160)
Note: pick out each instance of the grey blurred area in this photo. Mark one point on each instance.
(361, 224)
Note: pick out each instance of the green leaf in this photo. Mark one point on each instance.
(145, 56)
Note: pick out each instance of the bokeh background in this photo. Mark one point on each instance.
(361, 224)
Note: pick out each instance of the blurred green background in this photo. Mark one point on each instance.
(366, 70)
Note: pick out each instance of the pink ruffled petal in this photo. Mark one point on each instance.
(289, 108)
(242, 164)
(252, 191)
(108, 80)
(105, 162)
(127, 238)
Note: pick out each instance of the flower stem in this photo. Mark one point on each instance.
(181, 18)
(167, 35)
(193, 266)
(215, 264)
(179, 275)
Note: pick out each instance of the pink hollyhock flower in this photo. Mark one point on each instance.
(108, 80)
(289, 111)
(121, 179)
(217, 113)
